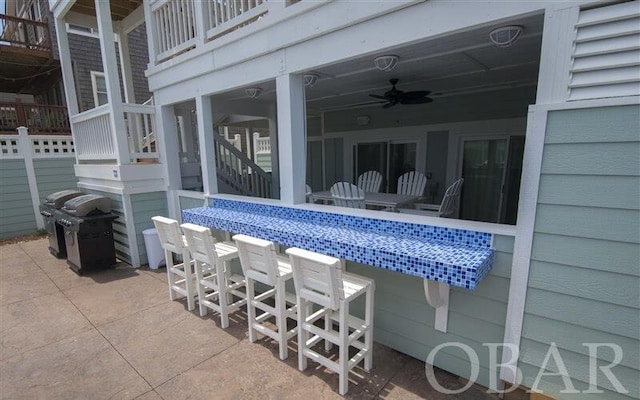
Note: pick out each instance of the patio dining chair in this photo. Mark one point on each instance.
(180, 275)
(346, 194)
(217, 286)
(370, 181)
(323, 290)
(448, 208)
(261, 264)
(412, 183)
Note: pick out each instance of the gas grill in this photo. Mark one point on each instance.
(50, 210)
(88, 233)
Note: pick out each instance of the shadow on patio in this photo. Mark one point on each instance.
(116, 334)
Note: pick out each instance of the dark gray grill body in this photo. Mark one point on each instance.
(50, 210)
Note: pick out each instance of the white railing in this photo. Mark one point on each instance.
(92, 133)
(175, 27)
(226, 15)
(140, 124)
(261, 145)
(47, 146)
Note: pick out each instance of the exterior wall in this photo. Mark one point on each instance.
(404, 321)
(16, 211)
(584, 283)
(145, 206)
(53, 175)
(86, 56)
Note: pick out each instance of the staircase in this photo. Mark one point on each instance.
(239, 172)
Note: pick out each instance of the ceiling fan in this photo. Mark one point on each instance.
(395, 96)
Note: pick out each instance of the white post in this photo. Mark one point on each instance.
(125, 66)
(150, 25)
(24, 144)
(201, 11)
(204, 114)
(292, 144)
(275, 166)
(110, 65)
(167, 136)
(237, 141)
(256, 136)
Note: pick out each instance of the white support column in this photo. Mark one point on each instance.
(110, 65)
(25, 150)
(275, 163)
(204, 114)
(167, 137)
(150, 25)
(292, 144)
(437, 295)
(65, 64)
(125, 65)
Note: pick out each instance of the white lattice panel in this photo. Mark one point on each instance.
(9, 147)
(52, 146)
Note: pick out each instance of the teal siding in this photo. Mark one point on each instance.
(188, 202)
(145, 206)
(584, 281)
(16, 210)
(404, 321)
(264, 161)
(120, 236)
(54, 174)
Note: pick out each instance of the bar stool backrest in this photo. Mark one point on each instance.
(169, 234)
(317, 277)
(202, 244)
(258, 259)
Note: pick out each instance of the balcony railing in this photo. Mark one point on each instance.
(40, 119)
(25, 33)
(175, 27)
(227, 15)
(95, 141)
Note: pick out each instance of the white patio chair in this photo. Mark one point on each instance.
(308, 193)
(260, 263)
(319, 280)
(412, 183)
(370, 181)
(448, 208)
(180, 276)
(346, 194)
(216, 285)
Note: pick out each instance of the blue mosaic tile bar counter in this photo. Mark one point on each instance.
(456, 257)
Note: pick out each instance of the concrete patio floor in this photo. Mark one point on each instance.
(116, 335)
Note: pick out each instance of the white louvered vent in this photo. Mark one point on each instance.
(606, 57)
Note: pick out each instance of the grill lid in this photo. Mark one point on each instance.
(86, 205)
(57, 199)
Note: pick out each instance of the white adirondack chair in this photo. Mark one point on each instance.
(346, 194)
(448, 208)
(412, 183)
(370, 181)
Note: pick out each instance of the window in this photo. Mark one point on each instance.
(99, 85)
(82, 30)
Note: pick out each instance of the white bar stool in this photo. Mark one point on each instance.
(180, 276)
(216, 285)
(260, 263)
(319, 279)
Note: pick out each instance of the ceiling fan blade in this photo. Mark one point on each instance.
(416, 94)
(389, 105)
(420, 100)
(375, 96)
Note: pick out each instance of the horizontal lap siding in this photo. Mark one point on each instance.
(584, 283)
(16, 209)
(54, 175)
(404, 321)
(145, 206)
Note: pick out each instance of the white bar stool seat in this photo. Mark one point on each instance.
(260, 263)
(180, 276)
(216, 285)
(319, 280)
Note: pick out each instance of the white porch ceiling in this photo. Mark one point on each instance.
(454, 65)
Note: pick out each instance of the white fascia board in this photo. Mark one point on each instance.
(75, 18)
(60, 8)
(133, 20)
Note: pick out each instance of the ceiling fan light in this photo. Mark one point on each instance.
(386, 63)
(253, 92)
(310, 79)
(505, 36)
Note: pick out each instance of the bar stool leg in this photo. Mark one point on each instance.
(251, 310)
(368, 336)
(200, 289)
(281, 318)
(168, 256)
(328, 325)
(223, 297)
(188, 272)
(344, 347)
(302, 333)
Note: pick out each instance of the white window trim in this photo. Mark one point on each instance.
(94, 86)
(72, 30)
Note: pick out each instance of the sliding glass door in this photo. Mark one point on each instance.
(390, 158)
